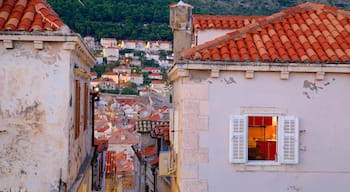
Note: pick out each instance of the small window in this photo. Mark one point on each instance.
(271, 139)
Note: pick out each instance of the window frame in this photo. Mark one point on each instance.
(86, 106)
(287, 132)
(77, 109)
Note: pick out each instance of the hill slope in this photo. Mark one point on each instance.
(148, 19)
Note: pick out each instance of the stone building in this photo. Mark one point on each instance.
(45, 128)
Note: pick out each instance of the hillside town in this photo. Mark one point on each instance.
(233, 103)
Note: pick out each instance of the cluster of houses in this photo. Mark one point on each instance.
(136, 131)
(122, 75)
(110, 51)
(131, 68)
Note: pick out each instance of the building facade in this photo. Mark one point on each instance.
(259, 109)
(44, 107)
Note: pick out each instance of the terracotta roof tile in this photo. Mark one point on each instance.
(203, 22)
(309, 33)
(28, 15)
(111, 162)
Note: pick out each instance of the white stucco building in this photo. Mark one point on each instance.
(45, 128)
(263, 108)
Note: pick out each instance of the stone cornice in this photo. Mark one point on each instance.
(249, 68)
(71, 42)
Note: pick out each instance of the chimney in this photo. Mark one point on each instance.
(181, 24)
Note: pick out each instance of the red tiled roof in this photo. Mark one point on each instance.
(111, 162)
(28, 15)
(157, 82)
(122, 136)
(148, 151)
(203, 22)
(93, 73)
(101, 144)
(154, 117)
(155, 161)
(103, 129)
(109, 73)
(307, 33)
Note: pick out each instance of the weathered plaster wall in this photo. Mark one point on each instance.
(34, 100)
(322, 107)
(79, 148)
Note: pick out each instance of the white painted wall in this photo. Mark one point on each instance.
(323, 115)
(210, 34)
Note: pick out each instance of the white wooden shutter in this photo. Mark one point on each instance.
(238, 139)
(288, 140)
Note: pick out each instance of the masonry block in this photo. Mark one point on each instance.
(203, 123)
(195, 123)
(190, 140)
(190, 123)
(195, 91)
(203, 108)
(196, 156)
(191, 107)
(194, 185)
(189, 172)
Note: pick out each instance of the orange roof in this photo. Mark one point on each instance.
(155, 161)
(109, 73)
(154, 117)
(157, 82)
(93, 73)
(111, 162)
(148, 151)
(30, 15)
(203, 22)
(122, 136)
(103, 129)
(101, 144)
(307, 33)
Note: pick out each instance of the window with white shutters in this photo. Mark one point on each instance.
(264, 139)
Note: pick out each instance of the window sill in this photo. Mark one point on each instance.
(265, 162)
(262, 166)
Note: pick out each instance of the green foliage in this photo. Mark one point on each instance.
(99, 69)
(149, 63)
(148, 19)
(127, 19)
(129, 91)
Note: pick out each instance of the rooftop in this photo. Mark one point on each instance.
(29, 16)
(306, 33)
(203, 22)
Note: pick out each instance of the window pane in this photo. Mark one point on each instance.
(262, 137)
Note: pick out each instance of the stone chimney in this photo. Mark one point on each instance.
(181, 24)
